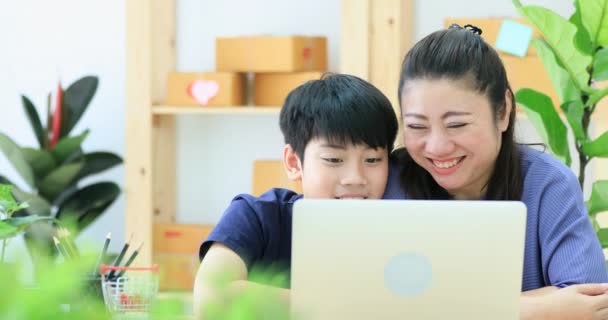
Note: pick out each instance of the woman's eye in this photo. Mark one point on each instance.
(415, 126)
(332, 160)
(456, 125)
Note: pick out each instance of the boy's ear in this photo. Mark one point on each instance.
(291, 163)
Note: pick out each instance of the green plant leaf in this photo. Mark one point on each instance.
(67, 146)
(559, 33)
(582, 41)
(32, 115)
(602, 235)
(7, 202)
(76, 99)
(574, 114)
(96, 162)
(36, 204)
(7, 231)
(87, 204)
(562, 83)
(21, 223)
(17, 159)
(58, 180)
(598, 202)
(41, 161)
(546, 121)
(596, 96)
(600, 65)
(597, 147)
(594, 15)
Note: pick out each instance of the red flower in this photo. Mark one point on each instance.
(56, 126)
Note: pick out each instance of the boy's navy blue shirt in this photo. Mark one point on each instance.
(258, 229)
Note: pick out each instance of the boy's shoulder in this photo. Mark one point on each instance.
(252, 226)
(274, 198)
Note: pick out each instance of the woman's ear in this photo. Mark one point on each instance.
(292, 163)
(503, 121)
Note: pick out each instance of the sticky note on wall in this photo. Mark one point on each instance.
(514, 38)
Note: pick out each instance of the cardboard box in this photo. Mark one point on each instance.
(271, 54)
(490, 28)
(271, 89)
(192, 88)
(269, 174)
(175, 248)
(176, 271)
(179, 238)
(529, 72)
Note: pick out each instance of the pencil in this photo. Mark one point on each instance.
(61, 249)
(102, 254)
(120, 256)
(64, 234)
(131, 258)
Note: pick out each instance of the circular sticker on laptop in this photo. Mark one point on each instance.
(408, 274)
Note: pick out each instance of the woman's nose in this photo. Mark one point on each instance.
(439, 144)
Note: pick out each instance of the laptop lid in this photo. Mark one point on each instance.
(407, 259)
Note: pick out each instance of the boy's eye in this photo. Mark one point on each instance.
(332, 160)
(456, 125)
(373, 160)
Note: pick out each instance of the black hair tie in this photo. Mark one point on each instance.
(473, 29)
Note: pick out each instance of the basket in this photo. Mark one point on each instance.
(128, 292)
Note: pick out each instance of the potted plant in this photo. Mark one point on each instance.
(54, 170)
(574, 53)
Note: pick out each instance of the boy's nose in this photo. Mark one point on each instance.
(354, 175)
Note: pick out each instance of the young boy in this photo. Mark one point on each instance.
(338, 132)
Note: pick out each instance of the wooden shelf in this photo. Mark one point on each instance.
(233, 110)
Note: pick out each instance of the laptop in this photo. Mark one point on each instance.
(407, 259)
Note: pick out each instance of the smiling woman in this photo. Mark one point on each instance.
(459, 117)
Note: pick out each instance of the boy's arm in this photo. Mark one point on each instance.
(583, 301)
(221, 274)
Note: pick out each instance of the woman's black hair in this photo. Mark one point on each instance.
(461, 54)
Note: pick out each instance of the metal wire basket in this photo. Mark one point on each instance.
(129, 294)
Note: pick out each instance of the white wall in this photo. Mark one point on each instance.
(44, 41)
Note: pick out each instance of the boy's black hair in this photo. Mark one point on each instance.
(343, 109)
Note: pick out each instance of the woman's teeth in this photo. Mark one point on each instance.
(446, 164)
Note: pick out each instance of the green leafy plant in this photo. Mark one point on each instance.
(574, 53)
(256, 302)
(12, 226)
(54, 169)
(65, 291)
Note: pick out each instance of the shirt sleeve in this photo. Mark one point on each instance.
(239, 229)
(570, 250)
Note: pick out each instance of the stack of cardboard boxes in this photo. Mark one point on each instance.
(279, 64)
(175, 248)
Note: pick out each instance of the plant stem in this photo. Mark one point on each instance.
(582, 157)
(3, 249)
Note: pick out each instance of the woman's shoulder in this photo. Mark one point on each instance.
(540, 168)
